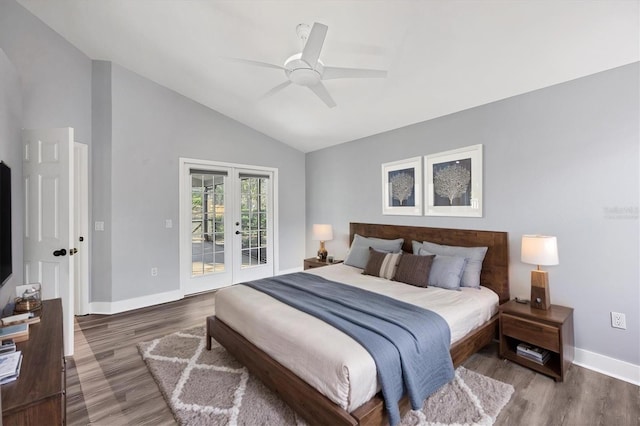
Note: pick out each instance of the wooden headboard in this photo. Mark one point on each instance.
(495, 268)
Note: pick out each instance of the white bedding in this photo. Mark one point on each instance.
(326, 358)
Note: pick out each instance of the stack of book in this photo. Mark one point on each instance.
(16, 327)
(26, 318)
(533, 353)
(10, 367)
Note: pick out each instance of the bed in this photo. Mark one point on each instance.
(312, 403)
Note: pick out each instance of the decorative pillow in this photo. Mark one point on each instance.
(381, 264)
(446, 271)
(414, 269)
(474, 256)
(359, 251)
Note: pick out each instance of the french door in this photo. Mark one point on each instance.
(226, 224)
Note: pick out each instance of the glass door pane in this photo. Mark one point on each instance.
(207, 223)
(254, 228)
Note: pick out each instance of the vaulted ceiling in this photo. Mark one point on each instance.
(442, 56)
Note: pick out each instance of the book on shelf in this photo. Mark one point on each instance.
(8, 346)
(17, 332)
(26, 318)
(10, 365)
(533, 353)
(534, 359)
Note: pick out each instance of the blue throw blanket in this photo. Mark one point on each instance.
(409, 344)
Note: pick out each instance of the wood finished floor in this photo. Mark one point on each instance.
(108, 383)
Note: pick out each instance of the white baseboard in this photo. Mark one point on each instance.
(615, 368)
(290, 271)
(109, 308)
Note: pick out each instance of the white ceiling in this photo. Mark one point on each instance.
(442, 56)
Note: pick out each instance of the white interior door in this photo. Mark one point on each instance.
(49, 225)
(226, 224)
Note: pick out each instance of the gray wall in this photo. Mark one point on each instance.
(100, 288)
(53, 80)
(55, 77)
(10, 153)
(557, 161)
(152, 127)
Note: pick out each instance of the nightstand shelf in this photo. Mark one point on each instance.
(551, 330)
(313, 262)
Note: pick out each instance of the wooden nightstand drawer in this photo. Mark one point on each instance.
(533, 332)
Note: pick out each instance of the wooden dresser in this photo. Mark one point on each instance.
(38, 396)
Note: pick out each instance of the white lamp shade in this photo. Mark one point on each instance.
(322, 232)
(539, 250)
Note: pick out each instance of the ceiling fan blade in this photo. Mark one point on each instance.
(322, 92)
(312, 48)
(256, 63)
(276, 89)
(336, 72)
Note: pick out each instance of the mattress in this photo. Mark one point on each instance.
(326, 358)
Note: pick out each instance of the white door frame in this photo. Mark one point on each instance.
(81, 218)
(185, 164)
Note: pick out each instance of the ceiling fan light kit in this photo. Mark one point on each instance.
(306, 69)
(299, 72)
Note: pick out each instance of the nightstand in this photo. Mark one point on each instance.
(551, 329)
(312, 262)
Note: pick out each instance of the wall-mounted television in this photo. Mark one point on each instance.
(5, 223)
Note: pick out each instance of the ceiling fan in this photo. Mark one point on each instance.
(306, 69)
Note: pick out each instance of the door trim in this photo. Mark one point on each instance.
(81, 200)
(185, 214)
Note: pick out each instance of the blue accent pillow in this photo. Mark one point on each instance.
(446, 271)
(473, 255)
(359, 252)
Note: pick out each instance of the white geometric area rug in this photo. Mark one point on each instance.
(211, 388)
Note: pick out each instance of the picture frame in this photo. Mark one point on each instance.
(402, 187)
(453, 182)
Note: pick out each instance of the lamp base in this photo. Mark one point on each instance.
(540, 290)
(322, 252)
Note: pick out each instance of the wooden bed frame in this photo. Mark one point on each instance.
(317, 408)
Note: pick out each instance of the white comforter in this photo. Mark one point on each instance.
(326, 358)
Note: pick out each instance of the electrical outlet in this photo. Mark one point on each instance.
(154, 272)
(618, 320)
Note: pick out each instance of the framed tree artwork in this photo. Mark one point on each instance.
(402, 187)
(453, 182)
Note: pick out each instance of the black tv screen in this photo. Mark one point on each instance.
(5, 223)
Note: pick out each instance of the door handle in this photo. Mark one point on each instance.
(60, 252)
(73, 251)
(238, 232)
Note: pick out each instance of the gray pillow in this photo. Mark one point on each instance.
(446, 271)
(359, 252)
(414, 269)
(474, 256)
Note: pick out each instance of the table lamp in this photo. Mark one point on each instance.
(539, 250)
(322, 233)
